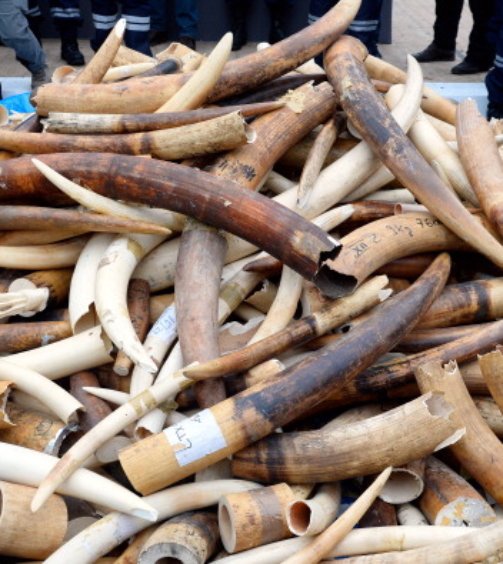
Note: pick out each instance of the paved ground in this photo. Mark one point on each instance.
(412, 31)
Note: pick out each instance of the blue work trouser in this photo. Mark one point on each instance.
(186, 17)
(494, 78)
(137, 16)
(16, 34)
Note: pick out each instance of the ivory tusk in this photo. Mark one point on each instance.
(112, 277)
(5, 388)
(115, 528)
(115, 74)
(81, 308)
(23, 302)
(31, 237)
(97, 67)
(410, 515)
(111, 396)
(491, 413)
(491, 365)
(324, 543)
(345, 69)
(27, 535)
(56, 255)
(292, 393)
(405, 484)
(449, 500)
(479, 451)
(312, 516)
(195, 91)
(106, 205)
(189, 537)
(64, 73)
(126, 56)
(26, 466)
(446, 130)
(482, 161)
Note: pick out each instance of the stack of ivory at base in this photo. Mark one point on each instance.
(250, 311)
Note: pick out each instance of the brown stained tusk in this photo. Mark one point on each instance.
(202, 252)
(131, 553)
(297, 155)
(29, 535)
(133, 123)
(432, 103)
(475, 546)
(35, 430)
(379, 513)
(138, 300)
(32, 217)
(375, 244)
(189, 58)
(116, 528)
(482, 161)
(297, 333)
(30, 237)
(189, 537)
(314, 163)
(280, 232)
(449, 500)
(115, 74)
(324, 543)
(97, 67)
(213, 135)
(467, 302)
(479, 451)
(95, 408)
(56, 255)
(491, 366)
(285, 396)
(312, 516)
(405, 484)
(360, 100)
(194, 92)
(17, 337)
(238, 76)
(324, 456)
(408, 267)
(126, 56)
(423, 339)
(57, 282)
(254, 518)
(491, 413)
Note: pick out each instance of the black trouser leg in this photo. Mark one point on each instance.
(480, 51)
(238, 12)
(445, 28)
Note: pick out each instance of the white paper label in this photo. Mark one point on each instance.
(195, 438)
(165, 327)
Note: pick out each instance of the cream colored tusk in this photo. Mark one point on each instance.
(112, 396)
(23, 302)
(126, 71)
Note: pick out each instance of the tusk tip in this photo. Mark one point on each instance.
(40, 497)
(120, 28)
(147, 512)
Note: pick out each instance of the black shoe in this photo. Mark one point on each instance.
(71, 54)
(157, 37)
(468, 67)
(434, 53)
(494, 111)
(189, 42)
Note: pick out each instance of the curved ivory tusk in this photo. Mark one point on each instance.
(203, 138)
(318, 323)
(133, 123)
(397, 195)
(359, 99)
(195, 91)
(433, 103)
(191, 536)
(31, 237)
(56, 255)
(491, 365)
(97, 67)
(112, 278)
(449, 500)
(446, 130)
(108, 206)
(56, 360)
(64, 73)
(467, 302)
(33, 218)
(318, 456)
(287, 395)
(326, 541)
(109, 395)
(375, 244)
(81, 307)
(475, 546)
(115, 74)
(243, 74)
(56, 398)
(115, 528)
(23, 302)
(105, 429)
(480, 156)
(26, 466)
(312, 516)
(479, 451)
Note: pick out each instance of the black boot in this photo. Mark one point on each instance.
(69, 46)
(238, 10)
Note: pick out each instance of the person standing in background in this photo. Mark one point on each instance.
(67, 19)
(105, 15)
(364, 27)
(480, 52)
(186, 18)
(494, 78)
(16, 34)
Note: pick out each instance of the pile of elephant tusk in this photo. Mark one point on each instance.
(251, 310)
